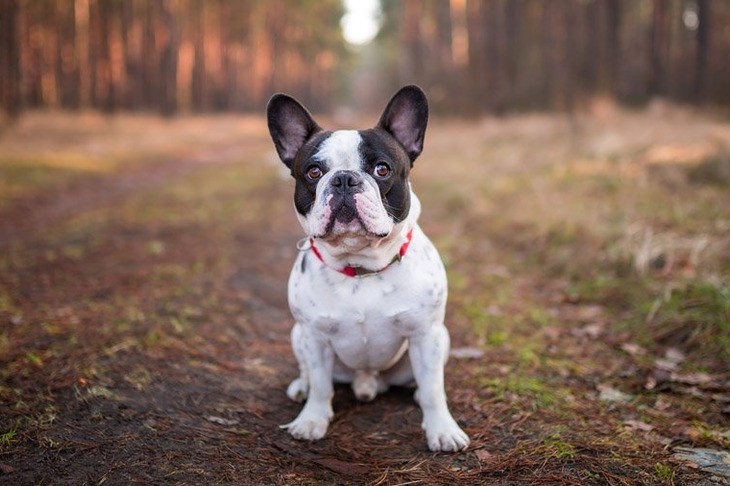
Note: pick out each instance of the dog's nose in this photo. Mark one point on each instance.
(346, 180)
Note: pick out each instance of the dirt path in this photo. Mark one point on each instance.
(47, 209)
(145, 340)
(197, 406)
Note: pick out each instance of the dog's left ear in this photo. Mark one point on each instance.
(290, 126)
(406, 117)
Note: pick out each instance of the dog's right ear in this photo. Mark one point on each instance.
(290, 126)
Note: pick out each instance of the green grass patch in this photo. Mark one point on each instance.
(33, 359)
(664, 473)
(555, 446)
(21, 175)
(694, 316)
(9, 437)
(713, 170)
(543, 394)
(7, 303)
(487, 326)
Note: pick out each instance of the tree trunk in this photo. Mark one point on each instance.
(10, 58)
(657, 84)
(67, 62)
(168, 62)
(492, 22)
(514, 15)
(703, 51)
(613, 44)
(81, 48)
(443, 73)
(197, 83)
(150, 62)
(412, 62)
(478, 75)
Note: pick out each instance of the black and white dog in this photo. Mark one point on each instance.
(368, 289)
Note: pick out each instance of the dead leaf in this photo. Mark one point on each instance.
(633, 349)
(588, 313)
(698, 378)
(671, 361)
(590, 331)
(709, 460)
(497, 270)
(719, 397)
(466, 353)
(609, 394)
(486, 456)
(692, 391)
(651, 383)
(665, 364)
(662, 404)
(222, 421)
(674, 355)
(552, 332)
(638, 425)
(6, 468)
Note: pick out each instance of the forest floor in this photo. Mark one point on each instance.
(144, 329)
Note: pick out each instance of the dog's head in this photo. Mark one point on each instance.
(351, 183)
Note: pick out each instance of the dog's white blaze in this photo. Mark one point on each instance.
(340, 150)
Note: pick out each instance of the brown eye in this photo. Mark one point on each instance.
(314, 173)
(382, 170)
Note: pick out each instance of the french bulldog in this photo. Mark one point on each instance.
(368, 288)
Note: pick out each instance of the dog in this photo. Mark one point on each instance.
(368, 288)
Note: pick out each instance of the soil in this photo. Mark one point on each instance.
(145, 341)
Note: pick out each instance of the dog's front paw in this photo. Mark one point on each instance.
(444, 434)
(309, 425)
(308, 429)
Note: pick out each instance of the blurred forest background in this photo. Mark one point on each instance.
(472, 56)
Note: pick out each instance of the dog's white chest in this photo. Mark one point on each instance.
(367, 320)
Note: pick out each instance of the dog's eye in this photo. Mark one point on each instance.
(382, 170)
(314, 173)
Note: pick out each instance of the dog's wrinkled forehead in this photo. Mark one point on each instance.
(341, 150)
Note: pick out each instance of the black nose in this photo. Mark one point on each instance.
(346, 180)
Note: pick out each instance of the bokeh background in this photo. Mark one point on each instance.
(473, 57)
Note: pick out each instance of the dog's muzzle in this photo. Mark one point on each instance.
(345, 184)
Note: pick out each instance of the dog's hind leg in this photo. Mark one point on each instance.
(341, 373)
(299, 388)
(400, 374)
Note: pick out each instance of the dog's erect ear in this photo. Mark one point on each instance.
(406, 117)
(290, 126)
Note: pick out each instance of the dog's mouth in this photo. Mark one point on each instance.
(345, 221)
(349, 227)
(343, 210)
(359, 216)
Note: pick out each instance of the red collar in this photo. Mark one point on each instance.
(360, 271)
